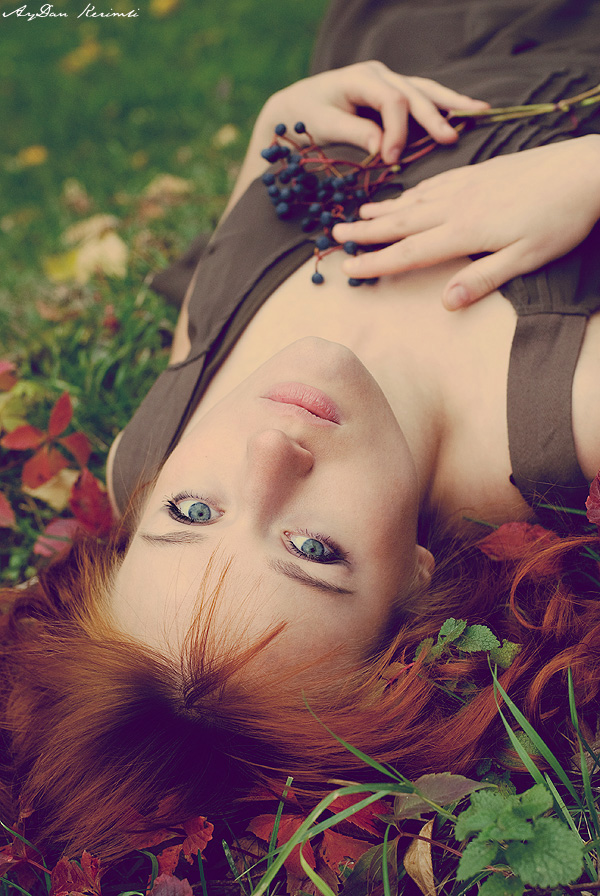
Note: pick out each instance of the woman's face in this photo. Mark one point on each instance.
(301, 481)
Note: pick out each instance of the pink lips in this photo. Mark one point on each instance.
(306, 397)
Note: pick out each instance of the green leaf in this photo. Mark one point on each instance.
(452, 629)
(535, 801)
(477, 855)
(504, 655)
(440, 789)
(477, 637)
(483, 812)
(553, 856)
(498, 885)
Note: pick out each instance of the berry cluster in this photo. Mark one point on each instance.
(321, 191)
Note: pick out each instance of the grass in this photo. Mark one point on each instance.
(97, 110)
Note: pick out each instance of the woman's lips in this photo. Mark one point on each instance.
(306, 397)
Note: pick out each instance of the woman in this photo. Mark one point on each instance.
(306, 436)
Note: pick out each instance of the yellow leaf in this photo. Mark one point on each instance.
(32, 155)
(57, 491)
(225, 136)
(91, 228)
(60, 267)
(81, 56)
(418, 863)
(167, 186)
(161, 8)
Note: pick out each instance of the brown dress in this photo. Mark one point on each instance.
(507, 52)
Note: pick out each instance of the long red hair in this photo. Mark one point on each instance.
(105, 738)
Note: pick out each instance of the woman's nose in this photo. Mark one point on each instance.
(275, 461)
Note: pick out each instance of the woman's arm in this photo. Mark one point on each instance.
(327, 104)
(525, 209)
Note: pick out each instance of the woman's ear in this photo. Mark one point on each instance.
(425, 567)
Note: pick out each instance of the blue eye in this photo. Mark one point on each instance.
(313, 548)
(190, 510)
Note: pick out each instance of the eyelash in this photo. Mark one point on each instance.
(176, 514)
(339, 556)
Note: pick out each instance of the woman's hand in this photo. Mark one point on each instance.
(525, 209)
(327, 104)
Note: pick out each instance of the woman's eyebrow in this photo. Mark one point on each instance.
(298, 575)
(174, 537)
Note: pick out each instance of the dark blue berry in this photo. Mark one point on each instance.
(300, 127)
(298, 190)
(317, 278)
(325, 219)
(293, 168)
(280, 129)
(268, 178)
(314, 208)
(322, 243)
(360, 194)
(350, 247)
(285, 176)
(273, 190)
(294, 158)
(308, 224)
(284, 151)
(351, 178)
(337, 182)
(338, 196)
(354, 281)
(310, 181)
(285, 194)
(282, 209)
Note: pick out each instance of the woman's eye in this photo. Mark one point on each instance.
(318, 550)
(192, 510)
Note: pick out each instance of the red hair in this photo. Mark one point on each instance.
(105, 737)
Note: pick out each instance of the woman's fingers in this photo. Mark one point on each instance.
(418, 251)
(483, 276)
(398, 223)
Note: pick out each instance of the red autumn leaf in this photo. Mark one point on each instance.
(514, 541)
(592, 505)
(44, 464)
(366, 818)
(90, 505)
(262, 826)
(168, 885)
(8, 376)
(60, 416)
(7, 514)
(23, 438)
(56, 537)
(79, 446)
(199, 831)
(69, 878)
(338, 851)
(168, 858)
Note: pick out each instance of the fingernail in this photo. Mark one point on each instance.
(456, 297)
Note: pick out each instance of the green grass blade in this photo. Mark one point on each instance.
(585, 775)
(318, 881)
(202, 877)
(154, 862)
(11, 883)
(239, 878)
(385, 871)
(539, 744)
(278, 814)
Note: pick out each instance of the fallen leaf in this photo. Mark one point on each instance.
(162, 8)
(23, 438)
(225, 136)
(45, 463)
(199, 832)
(167, 186)
(57, 491)
(168, 859)
(75, 197)
(513, 542)
(262, 826)
(418, 862)
(70, 877)
(340, 852)
(441, 788)
(169, 885)
(592, 505)
(8, 375)
(90, 505)
(90, 229)
(56, 537)
(366, 818)
(31, 156)
(60, 415)
(77, 444)
(62, 267)
(7, 514)
(106, 254)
